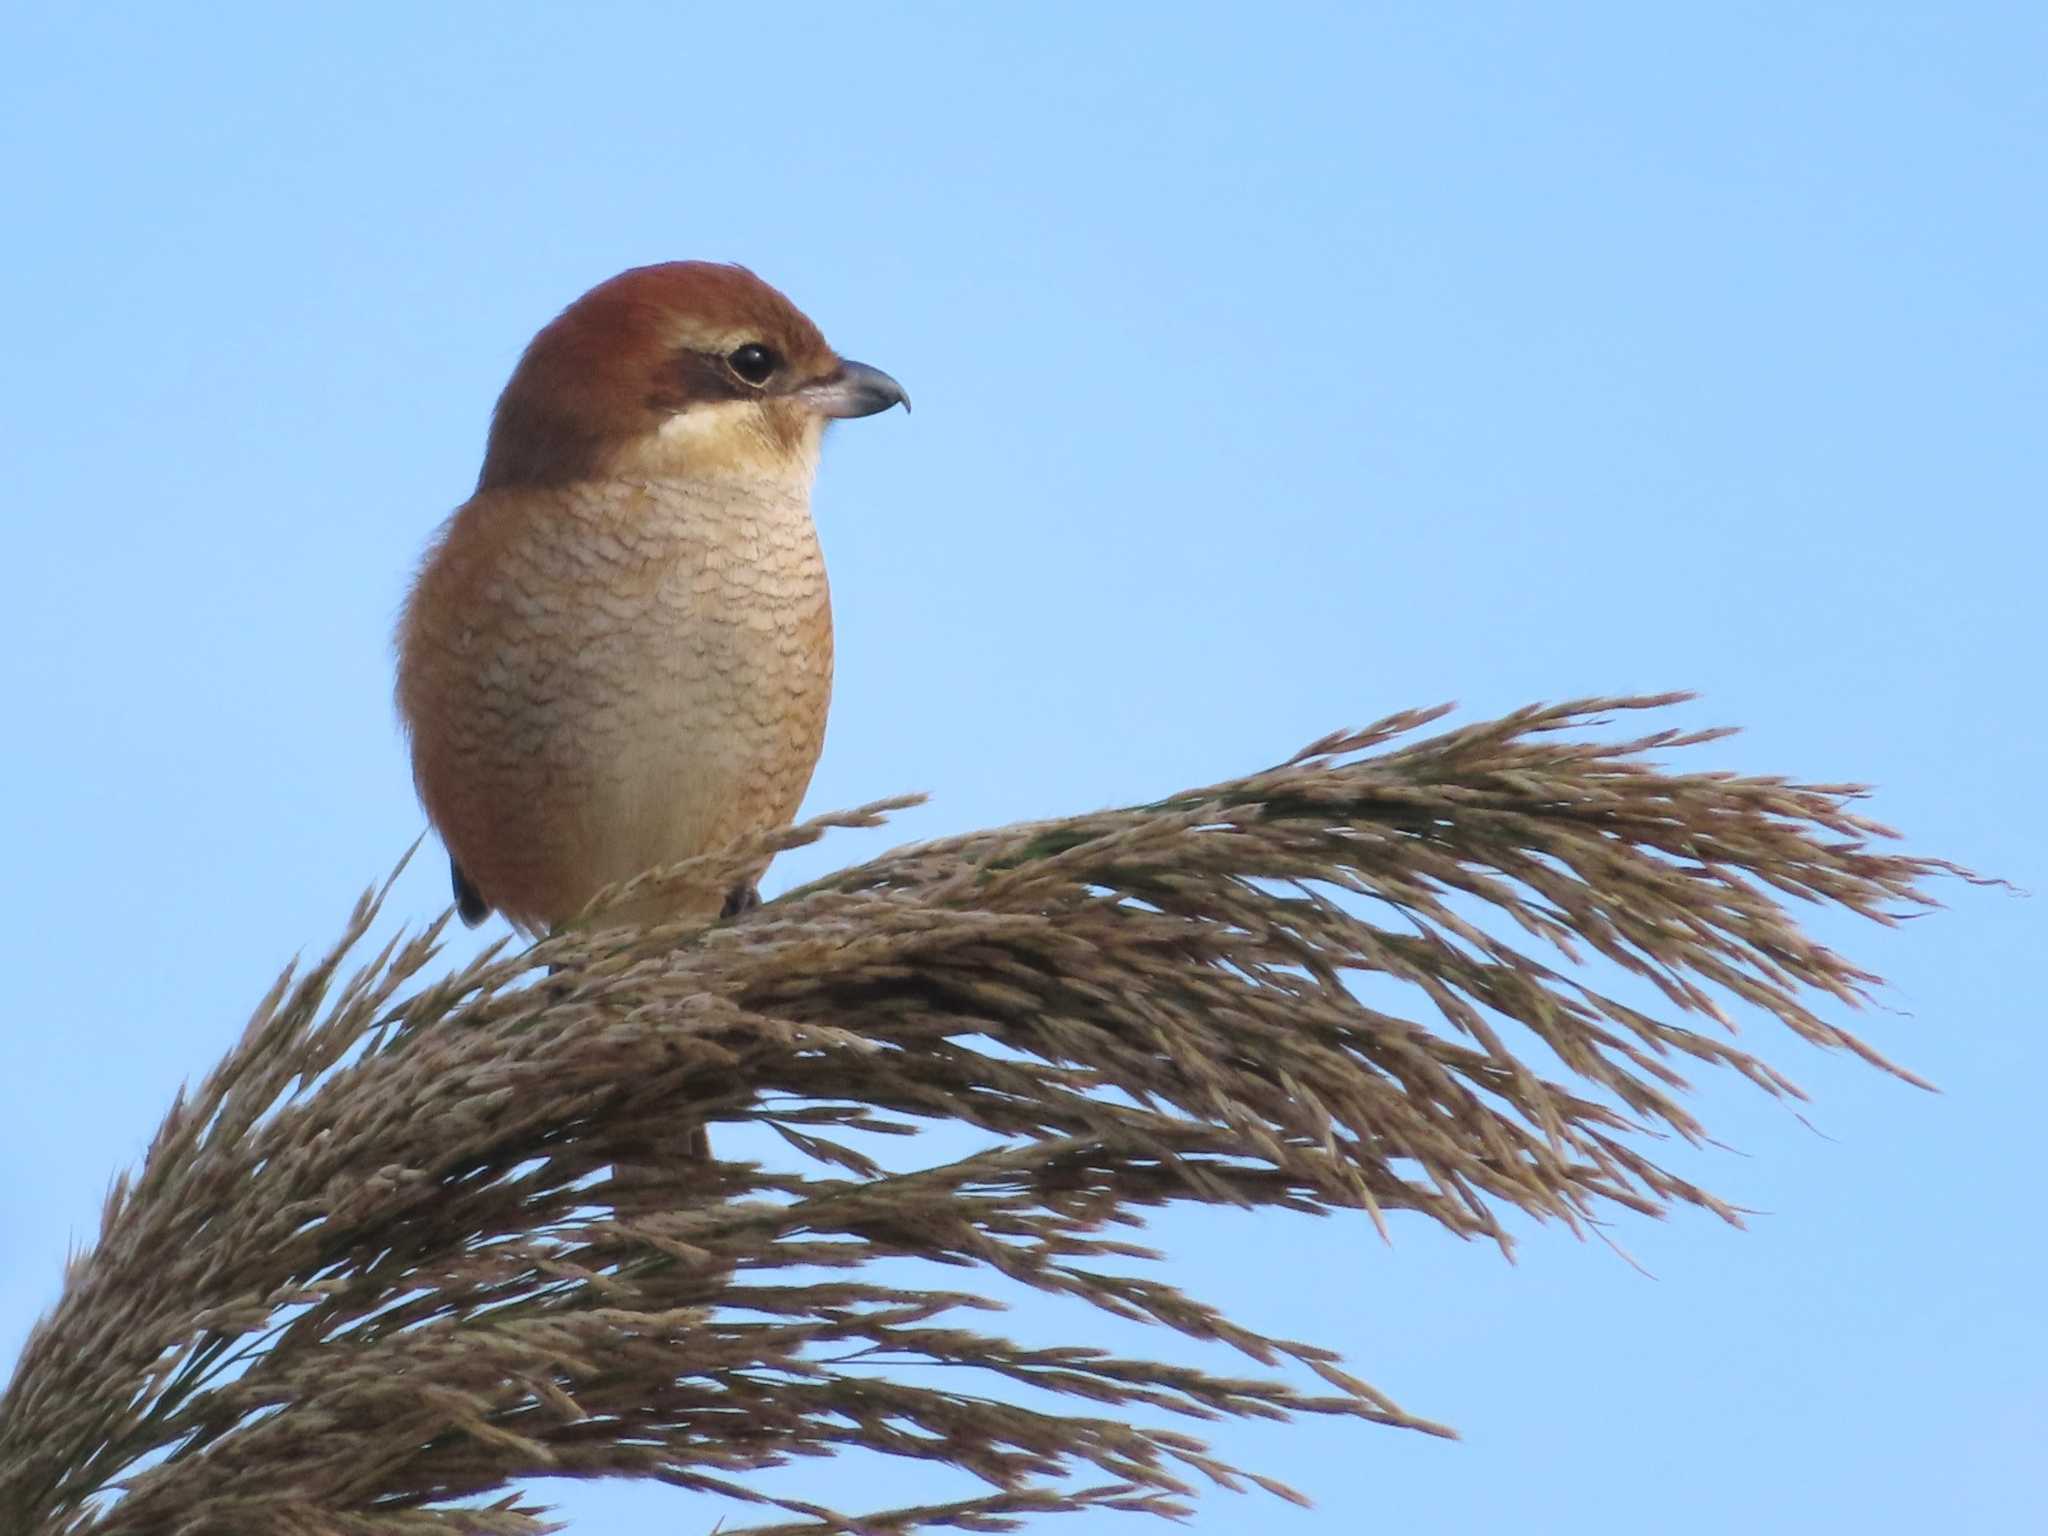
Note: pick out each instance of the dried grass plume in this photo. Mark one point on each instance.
(379, 1266)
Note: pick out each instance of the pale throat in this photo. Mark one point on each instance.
(731, 441)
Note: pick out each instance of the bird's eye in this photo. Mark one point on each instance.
(753, 362)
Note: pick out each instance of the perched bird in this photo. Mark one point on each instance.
(618, 652)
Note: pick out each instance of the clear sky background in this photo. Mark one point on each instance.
(1276, 367)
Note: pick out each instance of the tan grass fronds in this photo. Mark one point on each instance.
(378, 1267)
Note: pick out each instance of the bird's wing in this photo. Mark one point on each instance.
(469, 901)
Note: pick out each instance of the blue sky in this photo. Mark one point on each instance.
(1275, 368)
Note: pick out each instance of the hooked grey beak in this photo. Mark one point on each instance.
(855, 390)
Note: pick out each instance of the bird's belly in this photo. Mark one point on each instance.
(713, 737)
(665, 700)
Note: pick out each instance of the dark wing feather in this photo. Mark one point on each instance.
(469, 901)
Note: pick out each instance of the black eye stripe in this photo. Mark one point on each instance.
(690, 377)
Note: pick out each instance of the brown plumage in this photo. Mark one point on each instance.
(618, 653)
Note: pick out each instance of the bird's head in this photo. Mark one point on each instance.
(688, 368)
